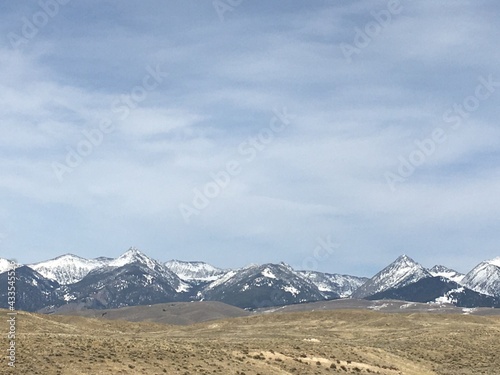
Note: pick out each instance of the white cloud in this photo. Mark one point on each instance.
(322, 176)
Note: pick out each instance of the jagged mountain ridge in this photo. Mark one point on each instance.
(195, 271)
(134, 278)
(263, 286)
(334, 284)
(67, 268)
(447, 273)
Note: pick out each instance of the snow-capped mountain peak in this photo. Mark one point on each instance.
(406, 260)
(485, 277)
(134, 255)
(447, 273)
(403, 271)
(67, 268)
(194, 271)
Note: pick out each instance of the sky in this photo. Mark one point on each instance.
(331, 135)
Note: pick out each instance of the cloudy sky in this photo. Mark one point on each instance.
(241, 132)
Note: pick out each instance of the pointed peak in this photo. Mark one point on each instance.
(405, 259)
(133, 255)
(133, 251)
(403, 264)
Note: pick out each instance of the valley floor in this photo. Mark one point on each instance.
(322, 342)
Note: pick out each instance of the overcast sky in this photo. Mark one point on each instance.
(240, 132)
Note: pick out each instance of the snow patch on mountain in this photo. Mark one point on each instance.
(5, 265)
(494, 262)
(450, 296)
(68, 297)
(292, 290)
(266, 272)
(222, 280)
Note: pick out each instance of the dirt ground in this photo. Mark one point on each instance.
(323, 342)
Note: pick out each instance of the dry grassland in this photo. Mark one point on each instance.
(325, 342)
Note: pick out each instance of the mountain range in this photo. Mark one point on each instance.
(70, 282)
